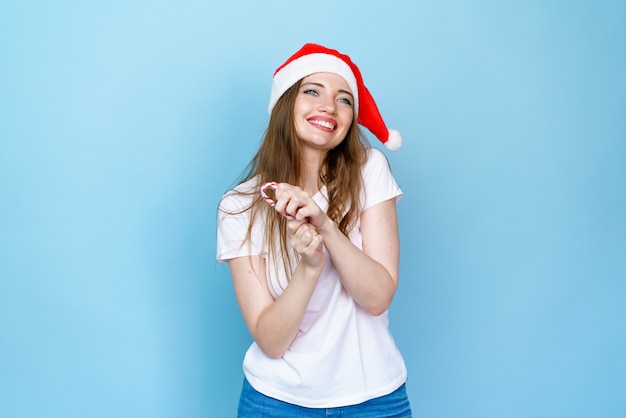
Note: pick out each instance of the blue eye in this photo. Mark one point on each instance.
(346, 101)
(311, 92)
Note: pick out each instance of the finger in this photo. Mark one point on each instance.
(304, 212)
(315, 244)
(284, 189)
(304, 232)
(294, 225)
(280, 207)
(287, 200)
(303, 237)
(301, 203)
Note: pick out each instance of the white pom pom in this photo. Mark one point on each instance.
(394, 141)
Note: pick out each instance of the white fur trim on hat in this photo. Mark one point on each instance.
(307, 65)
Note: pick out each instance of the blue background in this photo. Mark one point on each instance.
(122, 123)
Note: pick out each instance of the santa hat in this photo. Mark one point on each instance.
(312, 58)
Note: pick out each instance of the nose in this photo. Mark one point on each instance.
(328, 105)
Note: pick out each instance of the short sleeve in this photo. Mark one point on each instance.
(232, 227)
(378, 181)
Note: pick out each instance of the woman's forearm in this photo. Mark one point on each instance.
(279, 323)
(365, 279)
(369, 275)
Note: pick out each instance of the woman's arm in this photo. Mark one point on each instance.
(369, 276)
(274, 324)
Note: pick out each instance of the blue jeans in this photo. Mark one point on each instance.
(254, 404)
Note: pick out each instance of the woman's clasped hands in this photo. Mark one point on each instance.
(306, 223)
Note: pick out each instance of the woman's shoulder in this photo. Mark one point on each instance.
(375, 159)
(240, 196)
(378, 180)
(247, 187)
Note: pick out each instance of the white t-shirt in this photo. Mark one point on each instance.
(341, 355)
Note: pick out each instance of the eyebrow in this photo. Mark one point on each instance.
(322, 85)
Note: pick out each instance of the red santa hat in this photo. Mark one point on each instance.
(312, 58)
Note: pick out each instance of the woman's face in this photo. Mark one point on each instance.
(323, 110)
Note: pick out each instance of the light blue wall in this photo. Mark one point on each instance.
(121, 124)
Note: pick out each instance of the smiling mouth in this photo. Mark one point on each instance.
(323, 124)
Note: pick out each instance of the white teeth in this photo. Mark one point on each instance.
(323, 124)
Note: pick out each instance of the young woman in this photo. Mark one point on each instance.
(315, 274)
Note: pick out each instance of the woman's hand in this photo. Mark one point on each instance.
(294, 201)
(307, 215)
(305, 240)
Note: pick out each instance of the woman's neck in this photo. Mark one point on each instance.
(312, 165)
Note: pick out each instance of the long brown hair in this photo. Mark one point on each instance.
(280, 159)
